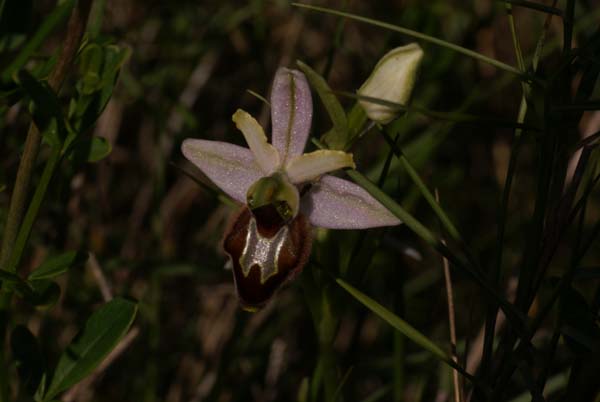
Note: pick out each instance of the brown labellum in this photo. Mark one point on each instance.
(266, 252)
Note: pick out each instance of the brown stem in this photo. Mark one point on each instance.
(451, 320)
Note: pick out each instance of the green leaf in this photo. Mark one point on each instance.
(101, 333)
(114, 58)
(49, 23)
(99, 67)
(57, 265)
(45, 108)
(28, 358)
(90, 150)
(91, 60)
(337, 138)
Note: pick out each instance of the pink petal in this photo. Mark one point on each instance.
(339, 204)
(232, 168)
(291, 113)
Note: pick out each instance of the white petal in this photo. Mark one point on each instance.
(265, 154)
(230, 167)
(339, 204)
(309, 166)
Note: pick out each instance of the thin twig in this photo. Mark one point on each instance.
(475, 354)
(103, 285)
(451, 319)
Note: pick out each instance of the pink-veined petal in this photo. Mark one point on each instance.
(231, 167)
(265, 154)
(339, 204)
(305, 167)
(291, 112)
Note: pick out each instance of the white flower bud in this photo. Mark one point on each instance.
(392, 79)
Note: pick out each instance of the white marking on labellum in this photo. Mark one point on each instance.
(262, 251)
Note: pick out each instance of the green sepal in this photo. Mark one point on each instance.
(275, 190)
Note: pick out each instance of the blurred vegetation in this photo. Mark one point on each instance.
(154, 234)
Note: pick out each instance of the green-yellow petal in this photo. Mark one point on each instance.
(306, 167)
(266, 156)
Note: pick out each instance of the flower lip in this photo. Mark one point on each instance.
(254, 286)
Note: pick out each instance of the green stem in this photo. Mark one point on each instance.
(18, 201)
(329, 366)
(33, 210)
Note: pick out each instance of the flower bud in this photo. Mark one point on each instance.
(392, 79)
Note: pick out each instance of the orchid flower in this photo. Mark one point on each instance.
(285, 192)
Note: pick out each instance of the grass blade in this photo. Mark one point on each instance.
(535, 6)
(412, 173)
(454, 117)
(418, 35)
(513, 315)
(402, 326)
